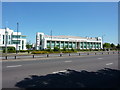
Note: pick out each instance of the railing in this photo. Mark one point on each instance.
(57, 55)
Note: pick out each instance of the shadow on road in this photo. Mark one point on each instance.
(104, 78)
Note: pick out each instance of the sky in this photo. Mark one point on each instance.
(91, 19)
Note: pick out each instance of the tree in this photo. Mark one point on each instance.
(28, 45)
(118, 46)
(107, 45)
(113, 46)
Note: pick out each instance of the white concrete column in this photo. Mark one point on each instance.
(60, 44)
(63, 44)
(76, 45)
(45, 44)
(95, 45)
(68, 44)
(92, 45)
(55, 43)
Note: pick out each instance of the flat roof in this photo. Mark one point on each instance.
(74, 37)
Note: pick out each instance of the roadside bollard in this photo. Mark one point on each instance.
(15, 57)
(69, 54)
(79, 54)
(108, 52)
(95, 53)
(113, 52)
(6, 57)
(102, 52)
(47, 55)
(60, 55)
(33, 56)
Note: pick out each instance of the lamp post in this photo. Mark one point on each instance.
(51, 41)
(17, 39)
(103, 40)
(6, 41)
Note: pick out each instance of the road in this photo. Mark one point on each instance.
(15, 71)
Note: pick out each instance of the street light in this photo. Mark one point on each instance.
(17, 38)
(6, 40)
(51, 41)
(103, 39)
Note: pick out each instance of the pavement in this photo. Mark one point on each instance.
(14, 72)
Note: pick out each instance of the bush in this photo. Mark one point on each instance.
(9, 50)
(69, 51)
(23, 50)
(64, 49)
(56, 49)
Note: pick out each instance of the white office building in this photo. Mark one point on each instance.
(46, 41)
(10, 38)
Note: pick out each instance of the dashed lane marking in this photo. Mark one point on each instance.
(14, 66)
(100, 58)
(59, 71)
(109, 63)
(68, 61)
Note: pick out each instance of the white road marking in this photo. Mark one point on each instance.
(68, 61)
(109, 63)
(60, 71)
(13, 66)
(100, 58)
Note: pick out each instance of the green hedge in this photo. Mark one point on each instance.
(69, 51)
(39, 52)
(45, 52)
(9, 50)
(23, 50)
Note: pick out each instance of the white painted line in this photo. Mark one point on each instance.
(60, 71)
(68, 61)
(13, 66)
(109, 63)
(100, 58)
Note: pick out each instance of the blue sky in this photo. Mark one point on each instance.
(83, 19)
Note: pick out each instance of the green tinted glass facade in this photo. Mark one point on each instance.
(15, 41)
(75, 45)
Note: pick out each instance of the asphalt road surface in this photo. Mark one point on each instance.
(15, 71)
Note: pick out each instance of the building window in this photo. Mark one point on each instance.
(40, 39)
(57, 44)
(62, 44)
(70, 44)
(81, 44)
(48, 44)
(74, 45)
(15, 41)
(15, 36)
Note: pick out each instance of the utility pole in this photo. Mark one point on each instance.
(17, 38)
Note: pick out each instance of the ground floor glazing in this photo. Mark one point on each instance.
(75, 45)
